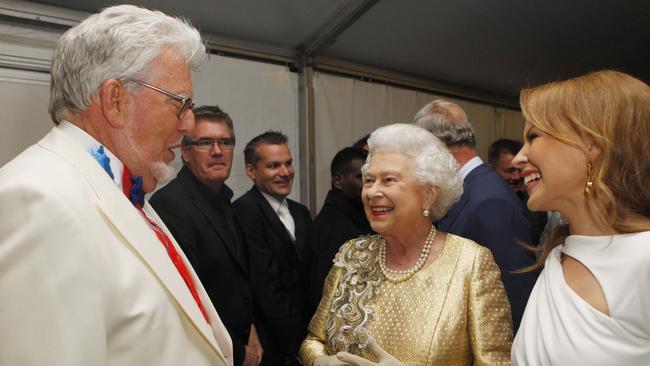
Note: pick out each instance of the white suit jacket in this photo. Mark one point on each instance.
(84, 280)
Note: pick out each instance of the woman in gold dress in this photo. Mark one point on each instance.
(410, 295)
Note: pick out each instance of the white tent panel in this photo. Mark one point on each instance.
(24, 98)
(258, 97)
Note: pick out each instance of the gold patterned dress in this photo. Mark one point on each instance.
(452, 312)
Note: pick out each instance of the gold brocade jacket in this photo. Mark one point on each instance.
(452, 312)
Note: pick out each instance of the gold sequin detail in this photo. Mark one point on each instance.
(452, 312)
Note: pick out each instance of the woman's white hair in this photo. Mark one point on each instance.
(431, 161)
(119, 42)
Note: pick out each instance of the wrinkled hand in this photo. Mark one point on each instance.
(329, 361)
(384, 358)
(254, 349)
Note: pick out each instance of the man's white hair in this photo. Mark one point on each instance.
(431, 161)
(120, 42)
(447, 121)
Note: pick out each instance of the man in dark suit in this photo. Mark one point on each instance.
(488, 211)
(342, 218)
(196, 208)
(275, 228)
(500, 155)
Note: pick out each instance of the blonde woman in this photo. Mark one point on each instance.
(586, 154)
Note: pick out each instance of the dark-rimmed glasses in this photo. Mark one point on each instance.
(186, 102)
(208, 144)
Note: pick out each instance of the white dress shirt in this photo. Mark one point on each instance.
(281, 208)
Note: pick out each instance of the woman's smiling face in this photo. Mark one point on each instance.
(554, 172)
(393, 198)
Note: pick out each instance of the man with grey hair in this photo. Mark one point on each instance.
(488, 211)
(89, 274)
(196, 206)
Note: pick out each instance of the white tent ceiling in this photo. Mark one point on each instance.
(487, 47)
(494, 47)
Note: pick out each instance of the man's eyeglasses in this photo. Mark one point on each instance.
(186, 102)
(208, 144)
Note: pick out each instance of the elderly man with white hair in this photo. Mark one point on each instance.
(488, 212)
(89, 274)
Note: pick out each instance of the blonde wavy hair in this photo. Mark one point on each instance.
(611, 109)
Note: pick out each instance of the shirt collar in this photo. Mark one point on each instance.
(93, 148)
(470, 165)
(275, 204)
(225, 193)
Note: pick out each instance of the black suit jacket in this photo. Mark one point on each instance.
(275, 266)
(337, 222)
(490, 213)
(204, 225)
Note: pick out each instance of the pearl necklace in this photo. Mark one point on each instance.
(402, 275)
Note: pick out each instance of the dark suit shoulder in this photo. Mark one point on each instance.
(331, 222)
(247, 200)
(296, 204)
(299, 207)
(251, 211)
(488, 185)
(169, 191)
(172, 199)
(327, 215)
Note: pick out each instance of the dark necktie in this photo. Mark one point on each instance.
(132, 188)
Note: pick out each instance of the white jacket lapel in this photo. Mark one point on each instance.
(128, 222)
(224, 343)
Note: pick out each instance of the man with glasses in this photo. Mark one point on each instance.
(89, 274)
(196, 208)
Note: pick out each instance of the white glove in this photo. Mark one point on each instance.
(329, 361)
(384, 358)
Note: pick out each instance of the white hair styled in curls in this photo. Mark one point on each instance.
(431, 161)
(120, 42)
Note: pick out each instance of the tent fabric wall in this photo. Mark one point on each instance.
(24, 98)
(258, 97)
(346, 109)
(261, 96)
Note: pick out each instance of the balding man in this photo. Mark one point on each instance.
(89, 274)
(488, 212)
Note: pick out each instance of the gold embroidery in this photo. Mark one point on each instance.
(359, 286)
(453, 312)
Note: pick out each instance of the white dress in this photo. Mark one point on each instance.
(560, 328)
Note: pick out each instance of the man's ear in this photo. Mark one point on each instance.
(113, 100)
(250, 171)
(185, 153)
(337, 181)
